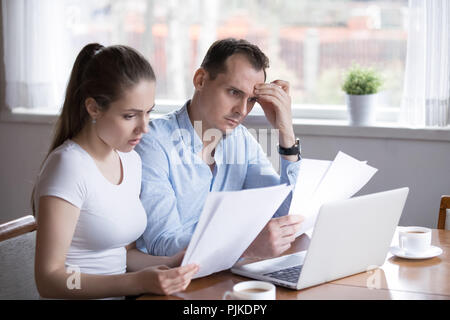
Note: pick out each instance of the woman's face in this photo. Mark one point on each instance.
(126, 120)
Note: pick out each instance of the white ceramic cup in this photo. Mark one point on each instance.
(414, 240)
(252, 290)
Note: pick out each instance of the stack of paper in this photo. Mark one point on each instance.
(320, 181)
(229, 222)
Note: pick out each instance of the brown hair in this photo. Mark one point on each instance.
(101, 73)
(215, 58)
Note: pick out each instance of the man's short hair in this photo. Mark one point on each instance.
(220, 50)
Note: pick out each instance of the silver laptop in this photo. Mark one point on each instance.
(350, 236)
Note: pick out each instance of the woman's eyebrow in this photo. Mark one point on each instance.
(138, 110)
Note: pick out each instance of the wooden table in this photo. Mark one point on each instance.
(396, 279)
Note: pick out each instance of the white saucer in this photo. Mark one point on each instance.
(430, 253)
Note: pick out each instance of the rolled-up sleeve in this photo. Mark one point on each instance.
(260, 172)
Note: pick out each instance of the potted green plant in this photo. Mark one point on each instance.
(362, 86)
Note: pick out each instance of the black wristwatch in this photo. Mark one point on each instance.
(294, 150)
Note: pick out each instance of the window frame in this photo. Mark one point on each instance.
(303, 126)
(163, 106)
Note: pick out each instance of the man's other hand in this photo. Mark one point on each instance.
(276, 237)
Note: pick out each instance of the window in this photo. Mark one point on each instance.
(309, 43)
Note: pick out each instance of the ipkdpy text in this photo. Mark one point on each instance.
(256, 309)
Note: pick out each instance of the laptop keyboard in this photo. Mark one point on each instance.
(289, 274)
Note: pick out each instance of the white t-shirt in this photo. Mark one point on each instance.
(111, 216)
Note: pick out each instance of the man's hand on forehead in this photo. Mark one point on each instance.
(275, 100)
(274, 84)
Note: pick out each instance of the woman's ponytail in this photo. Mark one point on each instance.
(73, 114)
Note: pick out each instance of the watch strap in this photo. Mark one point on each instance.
(294, 150)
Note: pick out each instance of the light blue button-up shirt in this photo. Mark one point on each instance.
(176, 181)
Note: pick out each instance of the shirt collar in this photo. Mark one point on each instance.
(188, 134)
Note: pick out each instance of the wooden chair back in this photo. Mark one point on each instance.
(17, 249)
(445, 204)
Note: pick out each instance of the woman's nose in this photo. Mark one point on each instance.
(143, 127)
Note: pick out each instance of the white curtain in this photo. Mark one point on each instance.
(426, 92)
(32, 41)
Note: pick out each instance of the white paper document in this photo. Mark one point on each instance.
(229, 223)
(320, 181)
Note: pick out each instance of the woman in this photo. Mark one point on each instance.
(87, 194)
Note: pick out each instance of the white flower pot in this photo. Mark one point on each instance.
(361, 109)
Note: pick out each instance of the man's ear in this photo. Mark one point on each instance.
(92, 107)
(199, 78)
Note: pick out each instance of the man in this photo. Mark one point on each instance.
(202, 147)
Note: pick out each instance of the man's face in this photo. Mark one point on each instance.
(226, 100)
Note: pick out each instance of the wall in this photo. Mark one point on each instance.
(421, 165)
(23, 147)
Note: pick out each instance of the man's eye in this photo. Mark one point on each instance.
(234, 92)
(252, 100)
(128, 116)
